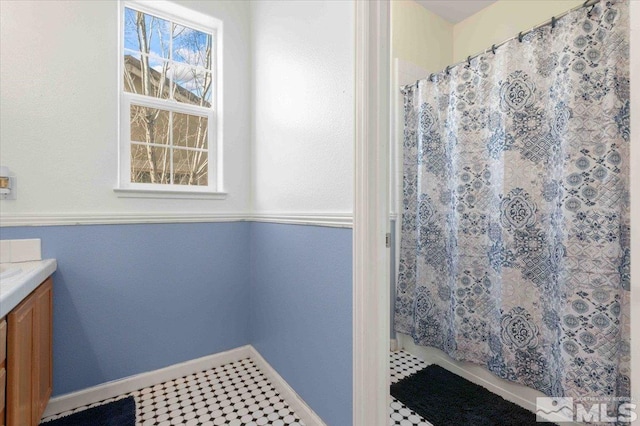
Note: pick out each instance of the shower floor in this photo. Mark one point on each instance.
(403, 365)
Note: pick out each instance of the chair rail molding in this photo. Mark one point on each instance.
(81, 218)
(331, 219)
(371, 220)
(328, 219)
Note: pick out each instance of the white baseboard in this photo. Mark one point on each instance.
(69, 401)
(98, 393)
(297, 404)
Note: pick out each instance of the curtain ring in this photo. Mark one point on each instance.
(553, 22)
(493, 49)
(431, 77)
(447, 69)
(590, 10)
(469, 60)
(520, 35)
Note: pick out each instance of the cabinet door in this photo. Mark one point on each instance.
(3, 368)
(3, 384)
(42, 339)
(20, 371)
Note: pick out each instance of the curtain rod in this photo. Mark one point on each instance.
(552, 22)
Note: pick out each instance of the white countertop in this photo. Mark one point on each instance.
(18, 280)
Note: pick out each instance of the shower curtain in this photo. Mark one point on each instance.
(515, 225)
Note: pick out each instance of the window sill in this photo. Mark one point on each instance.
(158, 193)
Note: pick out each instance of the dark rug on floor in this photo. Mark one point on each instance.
(445, 399)
(117, 413)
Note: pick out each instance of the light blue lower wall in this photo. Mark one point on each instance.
(134, 298)
(301, 312)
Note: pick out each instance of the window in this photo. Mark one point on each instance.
(169, 100)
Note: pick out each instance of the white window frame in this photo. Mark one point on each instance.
(201, 22)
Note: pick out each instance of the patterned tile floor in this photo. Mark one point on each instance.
(403, 365)
(238, 394)
(235, 394)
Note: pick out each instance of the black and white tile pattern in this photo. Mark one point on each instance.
(403, 365)
(235, 394)
(238, 394)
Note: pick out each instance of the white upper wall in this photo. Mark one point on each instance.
(303, 105)
(59, 94)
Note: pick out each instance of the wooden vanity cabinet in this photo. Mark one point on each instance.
(29, 357)
(3, 369)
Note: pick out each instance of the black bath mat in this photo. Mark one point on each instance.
(117, 413)
(445, 399)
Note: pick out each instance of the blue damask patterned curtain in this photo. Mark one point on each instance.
(515, 229)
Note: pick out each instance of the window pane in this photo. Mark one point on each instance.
(150, 164)
(190, 130)
(146, 75)
(149, 125)
(146, 33)
(173, 62)
(189, 167)
(192, 85)
(191, 47)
